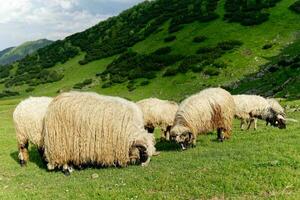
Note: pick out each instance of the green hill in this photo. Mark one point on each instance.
(168, 49)
(13, 54)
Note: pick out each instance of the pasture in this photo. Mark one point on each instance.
(262, 164)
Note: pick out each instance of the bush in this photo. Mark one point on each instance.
(146, 82)
(220, 64)
(204, 50)
(8, 93)
(170, 72)
(295, 7)
(163, 51)
(199, 39)
(211, 71)
(83, 84)
(107, 85)
(229, 45)
(30, 89)
(170, 38)
(267, 46)
(131, 86)
(197, 68)
(173, 29)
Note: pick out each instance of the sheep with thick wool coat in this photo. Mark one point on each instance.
(209, 110)
(158, 113)
(87, 128)
(249, 108)
(28, 120)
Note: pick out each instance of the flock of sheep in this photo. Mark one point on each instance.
(78, 129)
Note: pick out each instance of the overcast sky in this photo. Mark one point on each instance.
(26, 20)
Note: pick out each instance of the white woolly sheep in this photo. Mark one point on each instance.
(211, 109)
(158, 113)
(86, 128)
(28, 120)
(249, 108)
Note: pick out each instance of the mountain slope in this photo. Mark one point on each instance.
(13, 54)
(166, 62)
(3, 52)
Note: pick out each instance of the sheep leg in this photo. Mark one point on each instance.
(167, 133)
(255, 124)
(23, 154)
(67, 170)
(250, 123)
(243, 122)
(220, 135)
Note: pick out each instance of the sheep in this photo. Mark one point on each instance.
(28, 120)
(158, 113)
(87, 128)
(249, 108)
(211, 109)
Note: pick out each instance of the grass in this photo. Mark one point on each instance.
(262, 164)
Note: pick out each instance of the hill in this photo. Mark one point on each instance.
(161, 48)
(13, 54)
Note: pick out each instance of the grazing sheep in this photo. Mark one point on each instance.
(158, 113)
(86, 128)
(249, 108)
(211, 109)
(28, 120)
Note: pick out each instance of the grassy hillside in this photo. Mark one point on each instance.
(186, 64)
(13, 54)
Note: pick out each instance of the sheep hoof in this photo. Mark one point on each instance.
(22, 163)
(221, 139)
(67, 173)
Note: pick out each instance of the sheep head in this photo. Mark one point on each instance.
(182, 136)
(138, 153)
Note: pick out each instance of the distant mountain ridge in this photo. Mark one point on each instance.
(12, 54)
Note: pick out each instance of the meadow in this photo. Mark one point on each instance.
(262, 164)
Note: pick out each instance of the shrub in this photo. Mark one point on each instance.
(30, 89)
(211, 71)
(173, 29)
(204, 50)
(8, 93)
(170, 72)
(220, 64)
(163, 51)
(229, 45)
(146, 82)
(267, 46)
(199, 39)
(107, 85)
(197, 68)
(170, 38)
(295, 7)
(131, 86)
(83, 84)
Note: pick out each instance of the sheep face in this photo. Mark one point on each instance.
(138, 153)
(184, 138)
(277, 121)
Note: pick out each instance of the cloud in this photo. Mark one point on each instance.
(23, 20)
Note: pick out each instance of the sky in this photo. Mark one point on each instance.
(28, 20)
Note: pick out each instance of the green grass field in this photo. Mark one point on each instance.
(262, 164)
